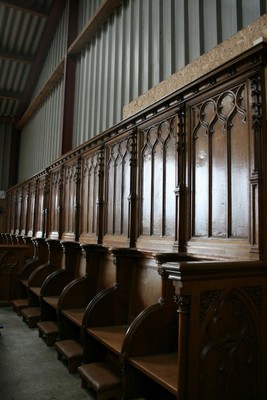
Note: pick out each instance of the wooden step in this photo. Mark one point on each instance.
(31, 316)
(102, 378)
(70, 350)
(48, 330)
(19, 304)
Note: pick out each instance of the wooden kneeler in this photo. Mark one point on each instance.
(102, 379)
(48, 330)
(19, 304)
(70, 350)
(31, 316)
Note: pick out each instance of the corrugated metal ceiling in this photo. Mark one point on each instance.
(25, 28)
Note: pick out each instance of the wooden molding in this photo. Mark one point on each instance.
(101, 15)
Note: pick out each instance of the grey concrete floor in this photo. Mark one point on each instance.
(29, 370)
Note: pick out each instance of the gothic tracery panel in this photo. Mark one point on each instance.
(118, 187)
(220, 173)
(157, 179)
(91, 165)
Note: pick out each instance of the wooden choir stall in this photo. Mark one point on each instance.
(157, 287)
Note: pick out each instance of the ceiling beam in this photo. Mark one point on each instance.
(4, 55)
(6, 94)
(6, 119)
(23, 6)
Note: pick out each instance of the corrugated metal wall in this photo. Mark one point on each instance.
(40, 139)
(86, 11)
(56, 52)
(41, 135)
(141, 45)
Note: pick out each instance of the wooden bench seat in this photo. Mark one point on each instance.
(52, 301)
(40, 274)
(55, 283)
(40, 256)
(75, 315)
(135, 330)
(36, 290)
(162, 368)
(110, 336)
(99, 274)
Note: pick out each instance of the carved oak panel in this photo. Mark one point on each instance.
(24, 209)
(229, 356)
(220, 160)
(31, 211)
(157, 181)
(91, 166)
(55, 203)
(41, 206)
(118, 191)
(70, 200)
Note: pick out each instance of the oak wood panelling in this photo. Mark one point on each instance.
(55, 202)
(91, 197)
(42, 206)
(12, 210)
(70, 199)
(119, 192)
(244, 359)
(31, 211)
(18, 211)
(220, 167)
(224, 303)
(157, 181)
(187, 174)
(24, 209)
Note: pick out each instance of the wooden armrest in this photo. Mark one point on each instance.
(29, 267)
(75, 294)
(38, 276)
(103, 310)
(111, 336)
(162, 368)
(55, 283)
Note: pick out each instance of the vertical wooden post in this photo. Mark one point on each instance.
(69, 80)
(183, 303)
